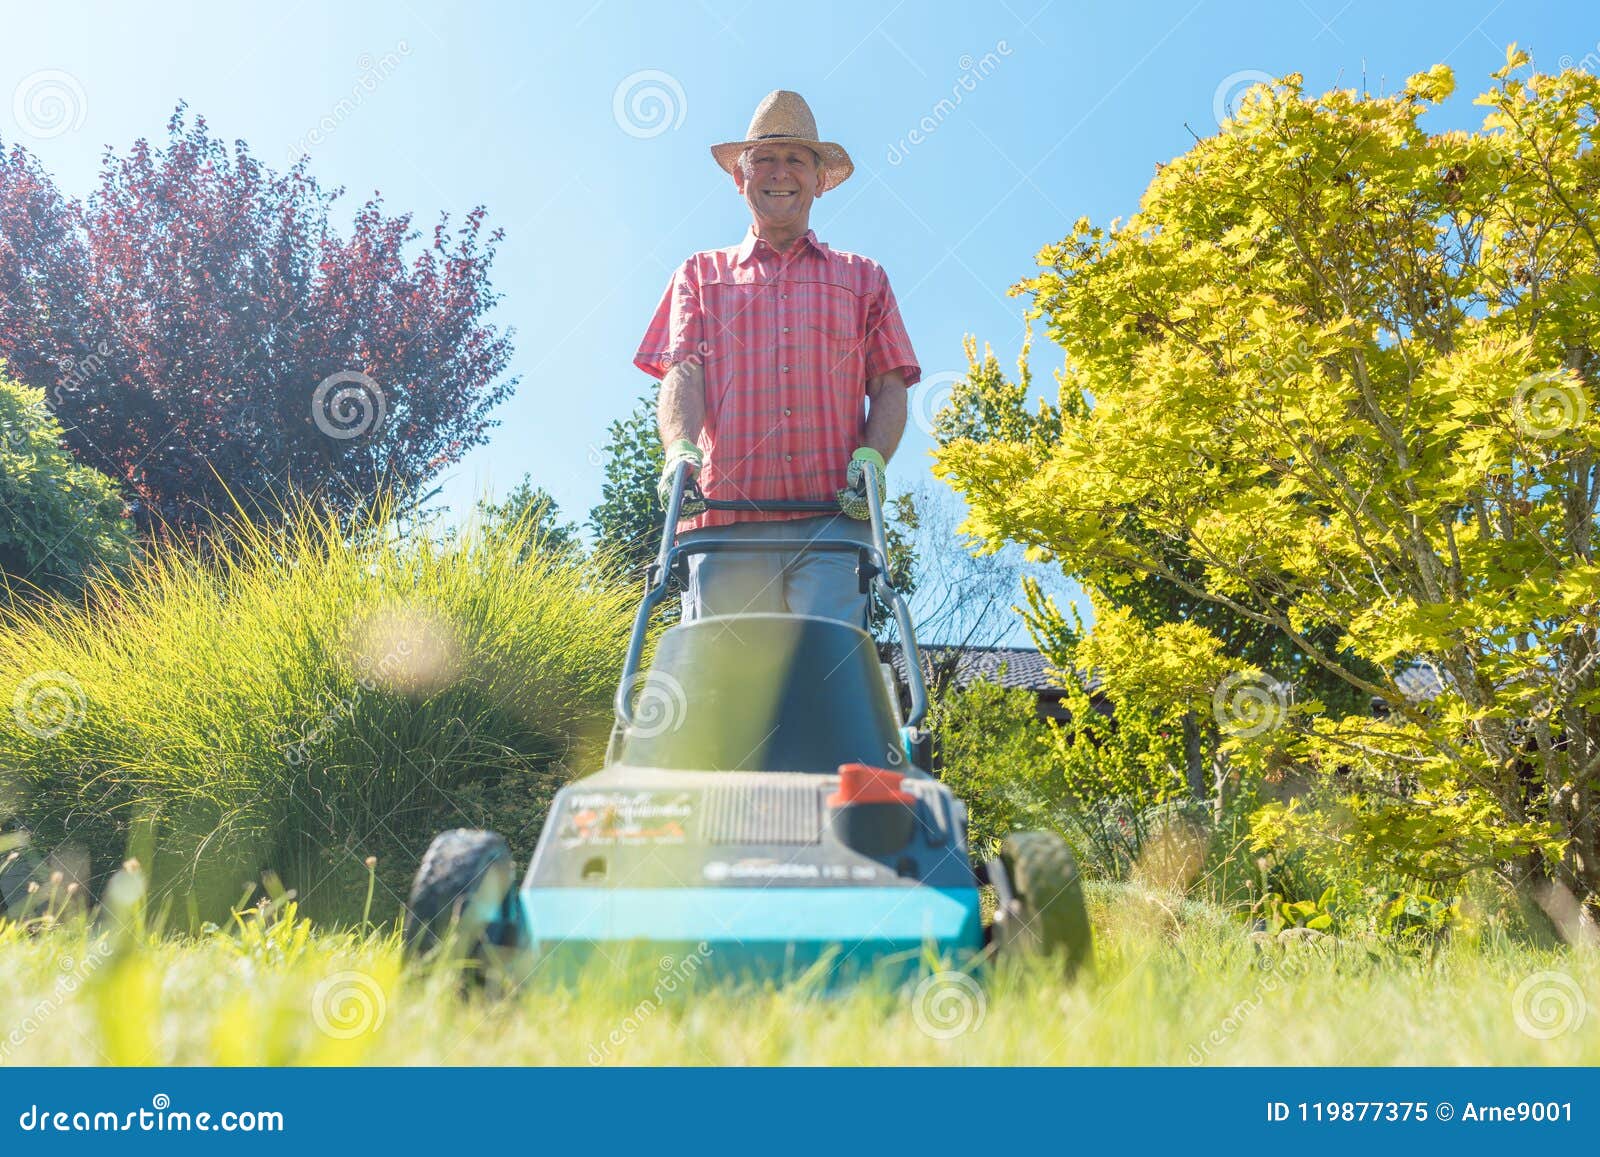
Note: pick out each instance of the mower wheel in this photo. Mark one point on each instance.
(1046, 913)
(459, 892)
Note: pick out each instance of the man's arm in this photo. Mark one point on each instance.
(681, 406)
(886, 412)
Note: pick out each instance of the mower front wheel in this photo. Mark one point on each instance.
(1040, 906)
(458, 898)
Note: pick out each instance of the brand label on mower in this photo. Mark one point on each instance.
(719, 870)
(607, 818)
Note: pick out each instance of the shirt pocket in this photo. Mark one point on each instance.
(835, 320)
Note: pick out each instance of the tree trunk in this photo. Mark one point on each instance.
(1194, 767)
(1219, 777)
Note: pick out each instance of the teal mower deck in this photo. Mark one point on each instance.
(763, 811)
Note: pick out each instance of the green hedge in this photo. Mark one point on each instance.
(60, 521)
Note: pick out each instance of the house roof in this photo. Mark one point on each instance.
(1021, 667)
(1420, 683)
(1024, 667)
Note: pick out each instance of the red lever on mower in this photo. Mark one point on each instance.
(861, 783)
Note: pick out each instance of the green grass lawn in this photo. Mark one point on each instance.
(1176, 983)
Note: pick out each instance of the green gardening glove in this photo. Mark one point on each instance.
(853, 498)
(682, 450)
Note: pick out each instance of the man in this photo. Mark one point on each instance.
(784, 367)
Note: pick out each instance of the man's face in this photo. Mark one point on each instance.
(782, 182)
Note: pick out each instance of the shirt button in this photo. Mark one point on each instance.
(787, 411)
(785, 369)
(783, 297)
(788, 457)
(785, 329)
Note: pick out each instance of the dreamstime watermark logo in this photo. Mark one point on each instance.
(74, 971)
(1547, 404)
(1589, 63)
(1279, 370)
(947, 1004)
(674, 972)
(348, 1004)
(972, 72)
(647, 103)
(47, 703)
(406, 648)
(296, 751)
(1237, 90)
(1279, 971)
(156, 1119)
(49, 103)
(17, 437)
(931, 396)
(75, 373)
(347, 405)
(661, 707)
(374, 71)
(1246, 703)
(1548, 1004)
(699, 356)
(1275, 372)
(1567, 681)
(258, 422)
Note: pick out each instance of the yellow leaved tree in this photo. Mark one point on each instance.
(1336, 380)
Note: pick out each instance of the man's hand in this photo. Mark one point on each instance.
(682, 450)
(853, 498)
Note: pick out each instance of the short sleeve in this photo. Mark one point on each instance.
(676, 330)
(888, 344)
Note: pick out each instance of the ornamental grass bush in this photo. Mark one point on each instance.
(301, 701)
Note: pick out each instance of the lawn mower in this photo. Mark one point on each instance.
(763, 807)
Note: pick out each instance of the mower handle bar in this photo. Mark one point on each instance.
(787, 505)
(876, 554)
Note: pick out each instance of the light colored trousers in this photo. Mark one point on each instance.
(820, 583)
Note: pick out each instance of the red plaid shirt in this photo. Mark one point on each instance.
(788, 343)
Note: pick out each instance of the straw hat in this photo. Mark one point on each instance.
(785, 118)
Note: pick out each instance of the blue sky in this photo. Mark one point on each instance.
(1064, 111)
